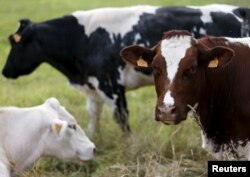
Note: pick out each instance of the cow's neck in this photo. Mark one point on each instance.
(223, 113)
(216, 106)
(21, 154)
(221, 133)
(72, 69)
(62, 41)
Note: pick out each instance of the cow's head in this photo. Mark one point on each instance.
(66, 140)
(178, 63)
(25, 52)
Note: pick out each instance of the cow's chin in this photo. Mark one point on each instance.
(77, 161)
(171, 122)
(9, 75)
(174, 119)
(12, 77)
(81, 162)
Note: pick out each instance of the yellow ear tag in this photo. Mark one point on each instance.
(141, 62)
(58, 128)
(213, 63)
(17, 38)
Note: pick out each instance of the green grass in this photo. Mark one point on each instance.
(153, 149)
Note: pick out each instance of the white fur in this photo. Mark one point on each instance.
(173, 50)
(95, 83)
(4, 164)
(168, 99)
(137, 37)
(132, 79)
(112, 19)
(206, 11)
(95, 99)
(64, 125)
(27, 134)
(245, 41)
(94, 108)
(224, 153)
(202, 31)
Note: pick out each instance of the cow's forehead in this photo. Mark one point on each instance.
(173, 50)
(65, 115)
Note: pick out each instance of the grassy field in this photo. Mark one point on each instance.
(153, 150)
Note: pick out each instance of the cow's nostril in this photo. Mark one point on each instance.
(170, 109)
(173, 110)
(157, 118)
(94, 151)
(158, 114)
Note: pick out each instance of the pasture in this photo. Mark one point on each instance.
(153, 149)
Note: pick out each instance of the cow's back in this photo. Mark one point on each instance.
(116, 21)
(14, 123)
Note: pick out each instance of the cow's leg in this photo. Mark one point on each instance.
(94, 108)
(113, 95)
(118, 106)
(94, 104)
(121, 111)
(4, 165)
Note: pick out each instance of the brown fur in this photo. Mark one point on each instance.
(223, 93)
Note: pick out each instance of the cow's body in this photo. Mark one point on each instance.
(210, 75)
(29, 133)
(85, 47)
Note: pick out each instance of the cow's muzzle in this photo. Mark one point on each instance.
(166, 114)
(9, 74)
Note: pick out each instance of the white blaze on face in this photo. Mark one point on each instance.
(173, 50)
(168, 99)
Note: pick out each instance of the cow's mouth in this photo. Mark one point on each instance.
(174, 119)
(170, 122)
(81, 162)
(9, 75)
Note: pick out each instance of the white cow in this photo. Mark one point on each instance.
(48, 129)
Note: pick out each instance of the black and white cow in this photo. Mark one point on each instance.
(85, 47)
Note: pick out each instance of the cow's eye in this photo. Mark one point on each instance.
(72, 126)
(189, 72)
(192, 70)
(156, 70)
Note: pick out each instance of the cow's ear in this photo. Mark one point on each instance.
(53, 103)
(59, 127)
(24, 22)
(217, 57)
(24, 31)
(17, 37)
(138, 56)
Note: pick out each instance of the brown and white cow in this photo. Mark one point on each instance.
(210, 74)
